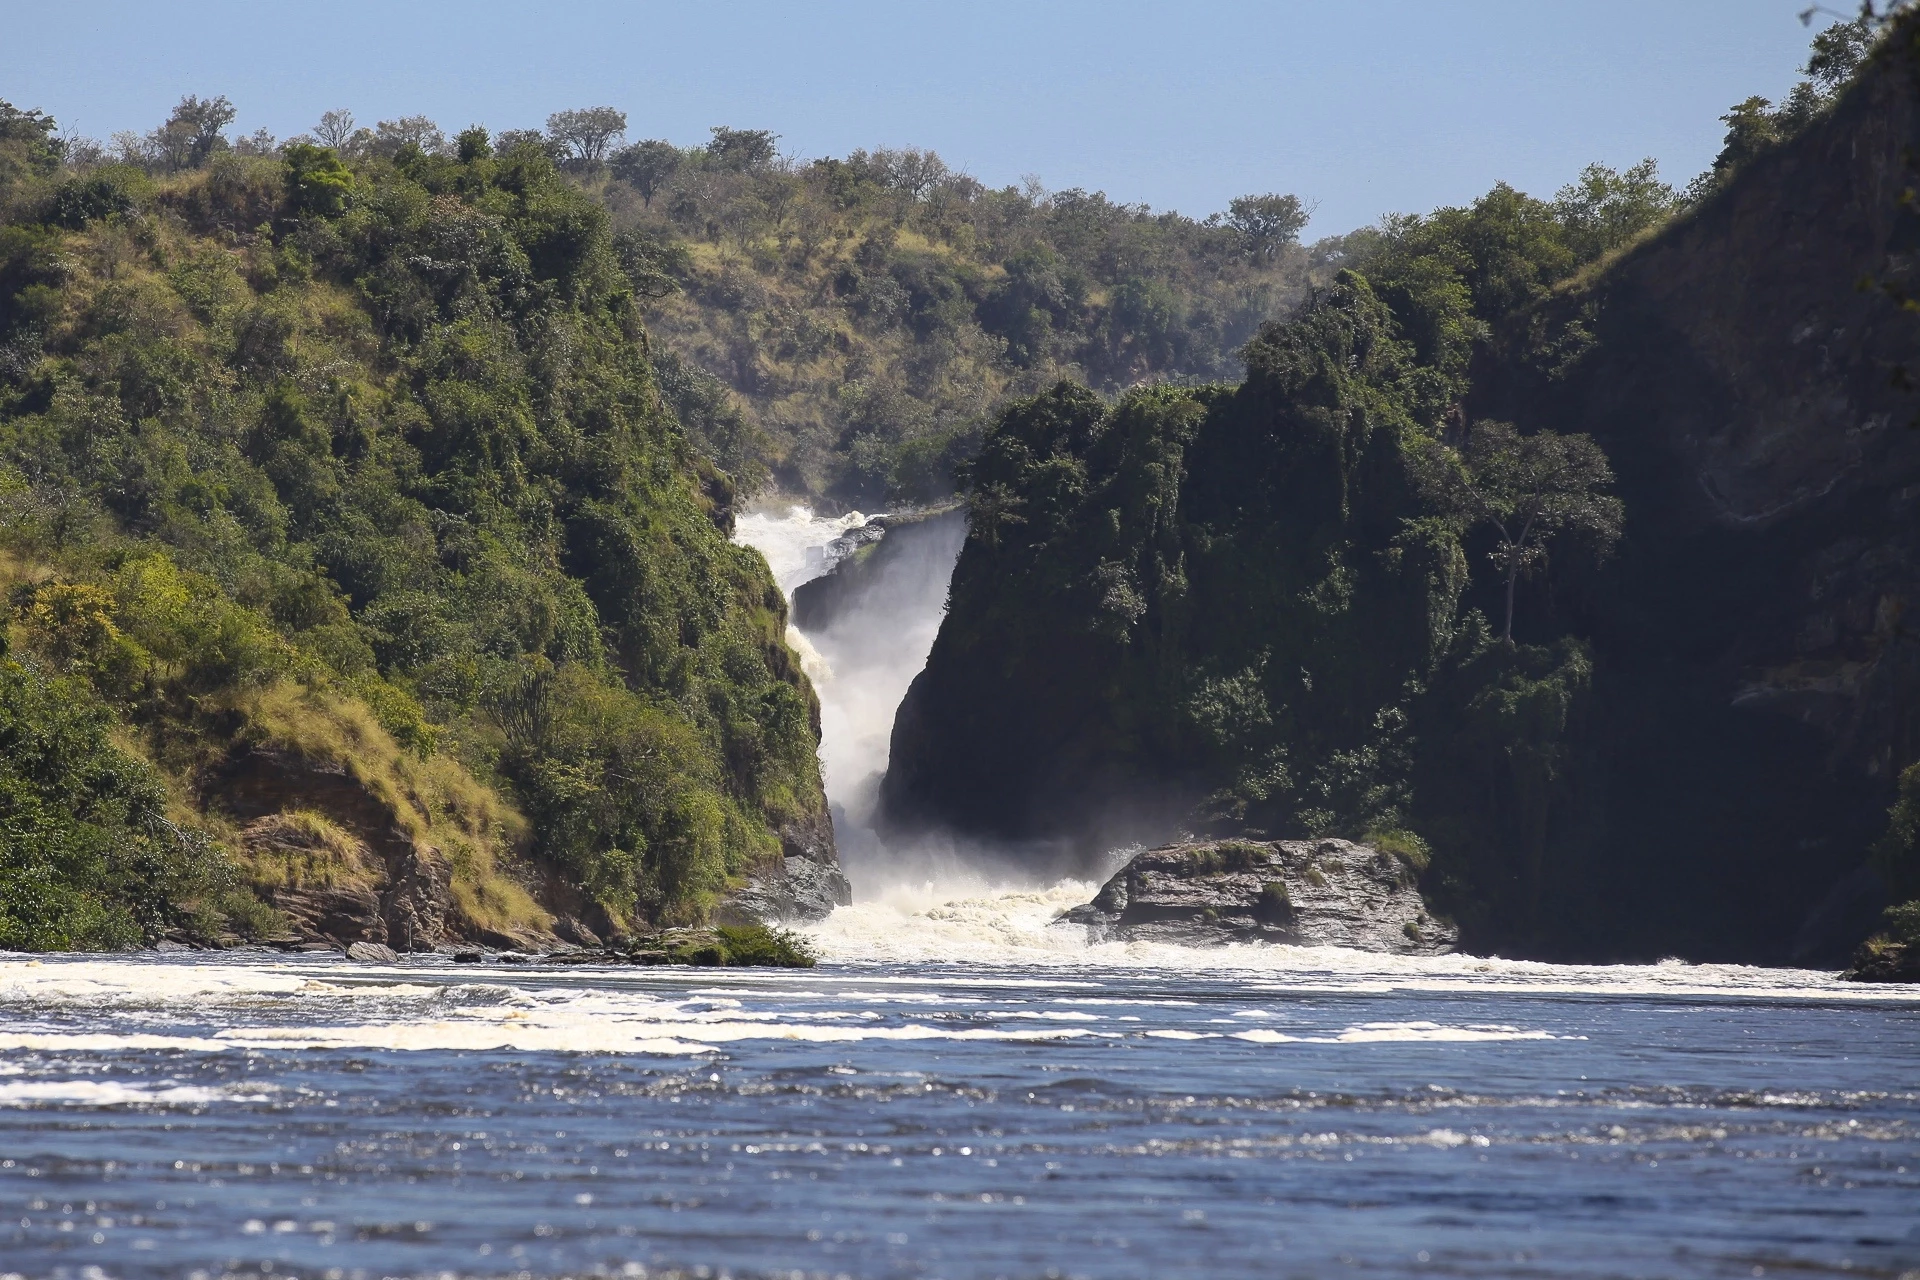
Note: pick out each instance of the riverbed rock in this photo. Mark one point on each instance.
(1312, 893)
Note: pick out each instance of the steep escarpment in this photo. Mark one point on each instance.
(1266, 609)
(360, 583)
(1756, 677)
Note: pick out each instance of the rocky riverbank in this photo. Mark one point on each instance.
(1331, 893)
(727, 945)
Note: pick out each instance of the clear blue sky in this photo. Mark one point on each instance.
(1366, 108)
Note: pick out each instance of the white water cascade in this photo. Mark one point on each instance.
(861, 663)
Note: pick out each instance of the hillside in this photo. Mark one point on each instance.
(844, 327)
(358, 580)
(1328, 601)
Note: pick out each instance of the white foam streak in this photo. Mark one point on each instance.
(112, 1093)
(970, 923)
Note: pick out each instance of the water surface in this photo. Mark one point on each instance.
(959, 1091)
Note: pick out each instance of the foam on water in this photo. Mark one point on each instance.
(793, 539)
(226, 1007)
(1014, 928)
(113, 1093)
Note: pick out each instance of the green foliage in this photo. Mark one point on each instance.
(396, 455)
(1901, 923)
(1403, 844)
(1532, 491)
(1230, 576)
(727, 945)
(1498, 788)
(1604, 209)
(1256, 598)
(1896, 855)
(88, 858)
(29, 144)
(869, 313)
(756, 944)
(318, 182)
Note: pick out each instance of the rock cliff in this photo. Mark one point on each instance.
(1757, 675)
(1237, 611)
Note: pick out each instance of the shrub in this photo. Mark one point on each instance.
(1902, 922)
(1403, 844)
(756, 944)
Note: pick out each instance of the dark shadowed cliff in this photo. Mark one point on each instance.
(1254, 609)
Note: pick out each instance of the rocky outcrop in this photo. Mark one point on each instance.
(804, 886)
(862, 556)
(1310, 893)
(797, 891)
(1892, 954)
(1885, 960)
(366, 879)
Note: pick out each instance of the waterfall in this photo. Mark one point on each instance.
(873, 640)
(861, 649)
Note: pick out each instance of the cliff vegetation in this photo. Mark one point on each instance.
(1558, 545)
(360, 461)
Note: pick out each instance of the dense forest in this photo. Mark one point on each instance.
(1538, 547)
(355, 467)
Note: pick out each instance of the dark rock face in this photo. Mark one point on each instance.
(1691, 748)
(861, 558)
(1757, 689)
(1310, 893)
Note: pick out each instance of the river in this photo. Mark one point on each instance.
(960, 1089)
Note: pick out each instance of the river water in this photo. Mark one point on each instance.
(960, 1089)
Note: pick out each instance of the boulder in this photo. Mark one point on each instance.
(1310, 893)
(797, 891)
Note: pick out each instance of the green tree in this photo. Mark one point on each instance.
(472, 143)
(1269, 223)
(193, 132)
(1604, 208)
(1752, 129)
(1839, 50)
(745, 150)
(317, 180)
(647, 166)
(1535, 490)
(27, 140)
(584, 135)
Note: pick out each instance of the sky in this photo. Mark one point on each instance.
(1361, 109)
